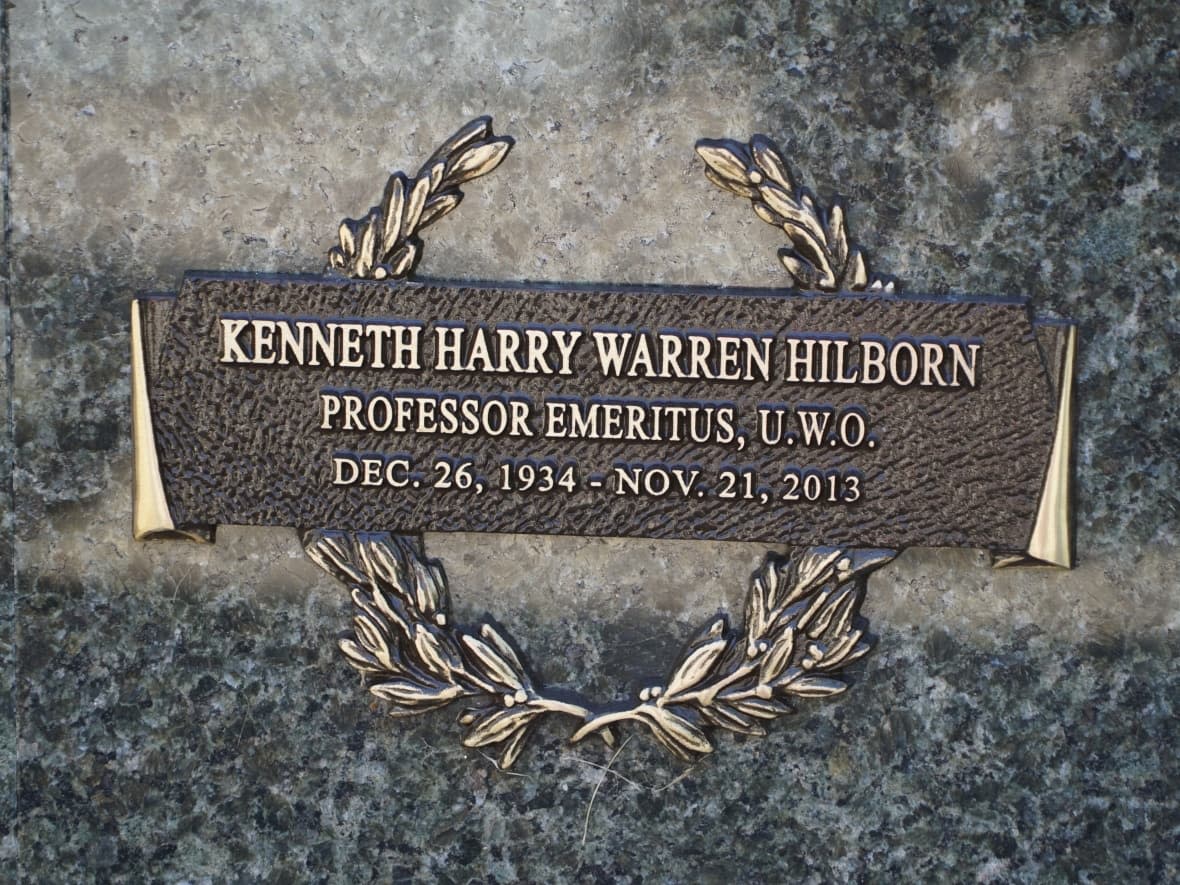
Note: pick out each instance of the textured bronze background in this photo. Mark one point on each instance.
(240, 444)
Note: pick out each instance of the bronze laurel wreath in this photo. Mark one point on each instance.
(802, 627)
(821, 256)
(802, 624)
(385, 244)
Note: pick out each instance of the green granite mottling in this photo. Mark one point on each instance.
(179, 711)
(221, 736)
(8, 728)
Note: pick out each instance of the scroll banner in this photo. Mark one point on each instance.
(860, 419)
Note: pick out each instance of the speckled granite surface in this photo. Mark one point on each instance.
(179, 711)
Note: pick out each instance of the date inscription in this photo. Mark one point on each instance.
(542, 476)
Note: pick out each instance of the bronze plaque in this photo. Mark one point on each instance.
(865, 419)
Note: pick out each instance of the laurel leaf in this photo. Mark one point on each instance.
(498, 726)
(770, 161)
(675, 732)
(766, 213)
(367, 256)
(763, 708)
(815, 607)
(330, 552)
(359, 657)
(430, 650)
(501, 645)
(812, 569)
(378, 557)
(695, 667)
(348, 230)
(729, 159)
(861, 563)
(816, 687)
(391, 609)
(417, 709)
(429, 589)
(438, 206)
(385, 561)
(676, 749)
(858, 651)
(756, 612)
(785, 205)
(841, 647)
(362, 604)
(402, 260)
(817, 624)
(808, 247)
(837, 240)
(857, 275)
(371, 636)
(782, 202)
(790, 615)
(439, 578)
(512, 748)
(767, 579)
(711, 630)
(469, 153)
(382, 561)
(725, 716)
(814, 252)
(805, 275)
(435, 174)
(790, 675)
(472, 131)
(736, 187)
(846, 652)
(371, 629)
(499, 669)
(403, 691)
(478, 160)
(392, 207)
(822, 257)
(777, 658)
(849, 605)
(415, 201)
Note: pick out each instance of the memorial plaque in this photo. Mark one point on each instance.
(849, 423)
(857, 419)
